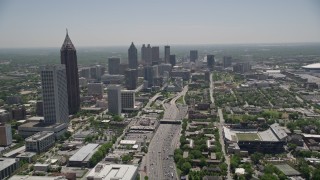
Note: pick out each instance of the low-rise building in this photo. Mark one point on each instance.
(81, 158)
(40, 142)
(7, 167)
(31, 128)
(113, 171)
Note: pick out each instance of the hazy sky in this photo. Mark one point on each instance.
(42, 23)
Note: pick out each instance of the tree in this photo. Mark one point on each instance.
(186, 167)
(255, 157)
(316, 174)
(126, 158)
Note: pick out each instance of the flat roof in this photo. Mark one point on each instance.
(131, 142)
(287, 170)
(312, 66)
(40, 135)
(113, 171)
(311, 135)
(15, 151)
(6, 162)
(84, 152)
(27, 177)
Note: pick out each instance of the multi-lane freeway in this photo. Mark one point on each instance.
(159, 162)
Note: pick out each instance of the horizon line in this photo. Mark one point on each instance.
(178, 44)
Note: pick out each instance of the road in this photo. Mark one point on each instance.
(220, 126)
(159, 162)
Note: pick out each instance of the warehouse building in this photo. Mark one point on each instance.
(113, 171)
(81, 158)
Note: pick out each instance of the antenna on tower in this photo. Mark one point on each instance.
(67, 30)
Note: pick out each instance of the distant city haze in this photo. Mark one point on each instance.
(37, 23)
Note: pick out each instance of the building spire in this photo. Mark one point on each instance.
(67, 44)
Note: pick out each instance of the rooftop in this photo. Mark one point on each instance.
(113, 171)
(6, 162)
(40, 135)
(84, 152)
(27, 177)
(312, 66)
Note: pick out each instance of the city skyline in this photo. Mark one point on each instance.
(42, 24)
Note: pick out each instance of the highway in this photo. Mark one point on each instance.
(159, 159)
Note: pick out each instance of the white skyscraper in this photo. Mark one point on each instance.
(54, 94)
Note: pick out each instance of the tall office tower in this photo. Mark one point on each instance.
(95, 89)
(162, 68)
(155, 70)
(173, 61)
(133, 57)
(114, 99)
(54, 94)
(131, 78)
(143, 54)
(227, 61)
(166, 54)
(85, 72)
(69, 59)
(98, 72)
(148, 75)
(93, 72)
(114, 65)
(5, 135)
(155, 55)
(148, 55)
(127, 99)
(210, 61)
(193, 55)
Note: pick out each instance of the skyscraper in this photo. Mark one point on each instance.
(143, 54)
(193, 55)
(148, 75)
(133, 57)
(166, 54)
(131, 78)
(155, 55)
(114, 99)
(148, 55)
(173, 60)
(69, 59)
(54, 94)
(114, 65)
(210, 61)
(227, 61)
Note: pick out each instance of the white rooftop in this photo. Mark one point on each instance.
(113, 171)
(6, 162)
(239, 171)
(312, 66)
(27, 177)
(130, 142)
(83, 152)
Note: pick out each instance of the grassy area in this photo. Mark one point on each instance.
(248, 137)
(180, 100)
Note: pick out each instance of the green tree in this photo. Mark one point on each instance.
(316, 174)
(256, 157)
(186, 167)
